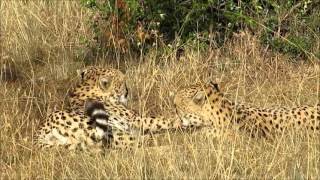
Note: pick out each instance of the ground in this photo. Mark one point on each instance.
(42, 42)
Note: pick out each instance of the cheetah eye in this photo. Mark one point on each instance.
(199, 98)
(105, 83)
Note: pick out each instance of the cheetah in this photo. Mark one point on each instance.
(73, 128)
(211, 109)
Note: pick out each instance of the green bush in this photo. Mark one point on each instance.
(293, 28)
(135, 25)
(140, 22)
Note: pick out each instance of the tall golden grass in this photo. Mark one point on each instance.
(40, 46)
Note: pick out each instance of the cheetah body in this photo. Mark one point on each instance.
(271, 121)
(72, 128)
(207, 107)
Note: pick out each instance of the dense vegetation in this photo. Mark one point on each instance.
(291, 27)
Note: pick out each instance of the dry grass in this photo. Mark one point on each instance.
(40, 41)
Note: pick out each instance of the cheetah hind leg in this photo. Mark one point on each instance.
(54, 138)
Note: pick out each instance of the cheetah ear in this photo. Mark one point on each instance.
(215, 86)
(81, 73)
(199, 98)
(105, 83)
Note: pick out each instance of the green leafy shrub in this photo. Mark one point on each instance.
(292, 28)
(132, 24)
(136, 25)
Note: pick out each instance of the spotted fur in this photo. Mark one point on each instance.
(99, 83)
(207, 107)
(72, 128)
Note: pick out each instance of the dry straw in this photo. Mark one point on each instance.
(40, 39)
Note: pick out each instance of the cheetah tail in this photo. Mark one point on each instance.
(97, 113)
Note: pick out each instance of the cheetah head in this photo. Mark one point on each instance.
(194, 104)
(101, 83)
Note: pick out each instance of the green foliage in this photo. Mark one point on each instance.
(292, 28)
(288, 26)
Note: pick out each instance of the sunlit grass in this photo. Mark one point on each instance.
(40, 40)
